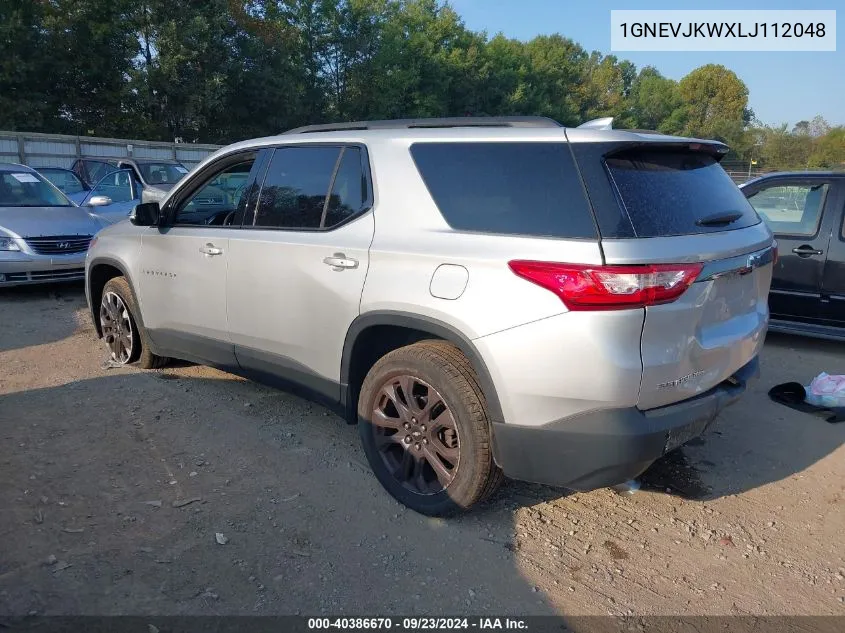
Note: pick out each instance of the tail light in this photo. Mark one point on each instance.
(585, 287)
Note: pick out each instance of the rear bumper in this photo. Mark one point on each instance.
(608, 447)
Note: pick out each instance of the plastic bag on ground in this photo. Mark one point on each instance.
(826, 391)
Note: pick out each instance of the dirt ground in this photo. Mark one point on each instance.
(115, 482)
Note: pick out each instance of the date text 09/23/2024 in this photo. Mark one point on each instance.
(417, 623)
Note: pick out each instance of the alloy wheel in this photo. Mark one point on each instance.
(117, 327)
(416, 435)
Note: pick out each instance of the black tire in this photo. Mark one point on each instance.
(443, 367)
(140, 340)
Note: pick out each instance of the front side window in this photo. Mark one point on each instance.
(791, 209)
(119, 186)
(162, 173)
(25, 189)
(220, 200)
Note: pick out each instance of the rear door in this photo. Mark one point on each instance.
(297, 269)
(833, 280)
(674, 204)
(794, 210)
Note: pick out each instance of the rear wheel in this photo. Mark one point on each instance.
(126, 339)
(424, 428)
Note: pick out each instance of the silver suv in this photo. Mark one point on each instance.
(483, 297)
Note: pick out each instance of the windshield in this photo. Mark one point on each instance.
(25, 189)
(162, 173)
(65, 180)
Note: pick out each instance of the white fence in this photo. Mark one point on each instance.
(56, 150)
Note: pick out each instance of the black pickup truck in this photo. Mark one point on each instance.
(805, 212)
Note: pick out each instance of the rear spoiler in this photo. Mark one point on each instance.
(716, 149)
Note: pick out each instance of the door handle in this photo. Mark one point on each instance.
(339, 262)
(210, 249)
(805, 250)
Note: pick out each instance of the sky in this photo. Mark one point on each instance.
(783, 87)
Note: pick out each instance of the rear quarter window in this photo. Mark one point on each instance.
(669, 193)
(506, 188)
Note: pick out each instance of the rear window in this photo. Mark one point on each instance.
(506, 188)
(678, 193)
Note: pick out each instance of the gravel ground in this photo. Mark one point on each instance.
(191, 491)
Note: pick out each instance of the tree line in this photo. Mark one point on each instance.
(217, 71)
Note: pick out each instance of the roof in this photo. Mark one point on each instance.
(434, 122)
(490, 129)
(14, 167)
(795, 174)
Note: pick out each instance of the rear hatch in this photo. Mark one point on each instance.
(668, 204)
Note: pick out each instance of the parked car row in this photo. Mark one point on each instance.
(44, 236)
(49, 216)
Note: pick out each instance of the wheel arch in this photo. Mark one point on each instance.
(374, 334)
(100, 271)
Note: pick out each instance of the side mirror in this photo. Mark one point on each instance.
(146, 214)
(99, 201)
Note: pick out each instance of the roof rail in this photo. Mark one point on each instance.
(605, 123)
(393, 124)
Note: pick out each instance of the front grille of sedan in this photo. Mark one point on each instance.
(59, 244)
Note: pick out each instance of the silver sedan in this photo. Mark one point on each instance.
(43, 236)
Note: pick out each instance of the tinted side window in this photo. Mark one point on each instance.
(296, 187)
(507, 188)
(791, 209)
(676, 193)
(347, 197)
(220, 201)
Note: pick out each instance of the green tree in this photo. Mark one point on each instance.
(604, 87)
(829, 150)
(27, 99)
(92, 54)
(656, 103)
(716, 103)
(783, 150)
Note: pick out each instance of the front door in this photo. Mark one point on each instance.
(794, 210)
(833, 281)
(184, 268)
(296, 274)
(123, 192)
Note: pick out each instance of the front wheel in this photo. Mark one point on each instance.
(424, 429)
(125, 338)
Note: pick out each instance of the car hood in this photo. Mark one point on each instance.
(44, 221)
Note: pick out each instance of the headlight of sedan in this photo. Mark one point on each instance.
(8, 244)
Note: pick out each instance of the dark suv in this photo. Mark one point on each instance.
(805, 212)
